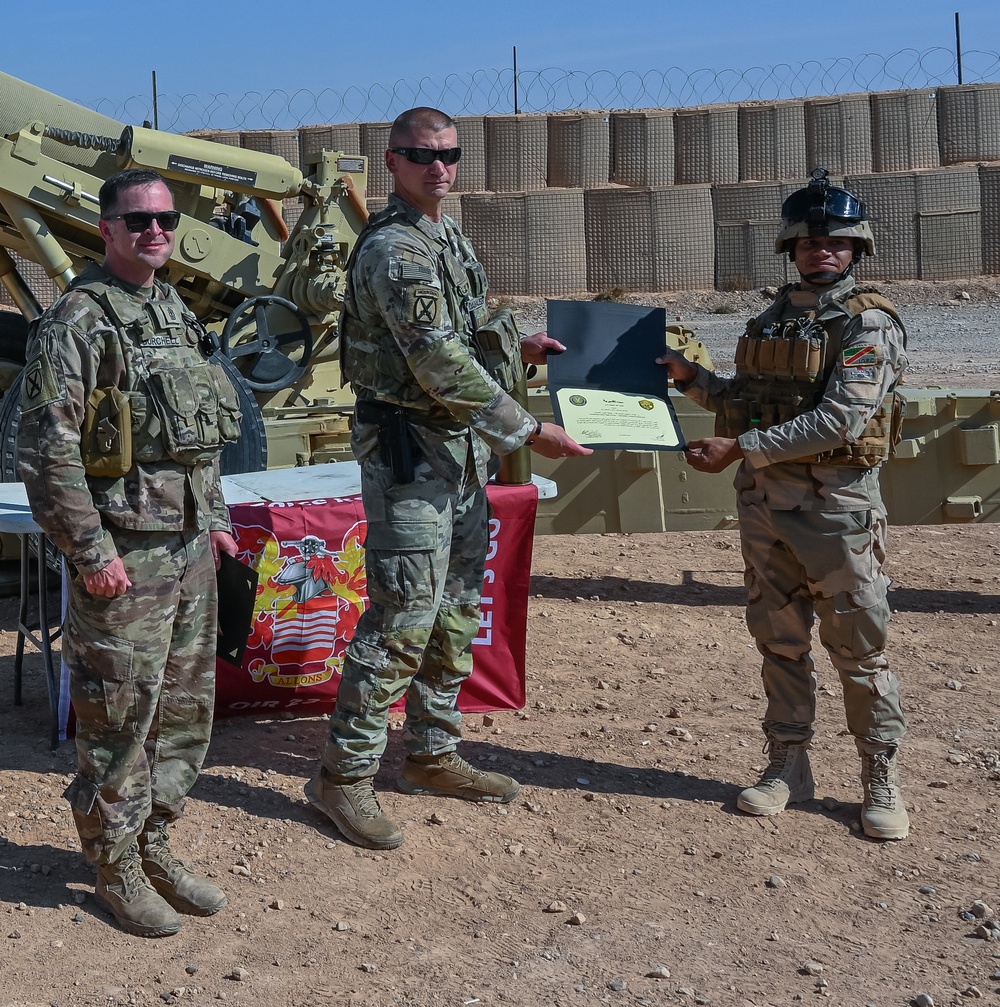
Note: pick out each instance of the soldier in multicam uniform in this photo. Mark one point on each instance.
(122, 422)
(811, 414)
(431, 370)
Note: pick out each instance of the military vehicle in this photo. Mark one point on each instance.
(273, 296)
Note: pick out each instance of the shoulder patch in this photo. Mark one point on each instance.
(40, 387)
(862, 363)
(416, 270)
(423, 306)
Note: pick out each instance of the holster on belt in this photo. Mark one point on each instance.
(395, 436)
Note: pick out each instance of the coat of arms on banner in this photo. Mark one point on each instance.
(310, 595)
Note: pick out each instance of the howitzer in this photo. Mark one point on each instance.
(272, 295)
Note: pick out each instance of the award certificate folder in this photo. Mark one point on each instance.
(607, 389)
(237, 596)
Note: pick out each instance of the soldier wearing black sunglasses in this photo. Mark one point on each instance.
(432, 370)
(123, 420)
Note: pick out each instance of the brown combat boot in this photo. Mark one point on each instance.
(883, 815)
(449, 775)
(354, 808)
(126, 891)
(174, 879)
(787, 780)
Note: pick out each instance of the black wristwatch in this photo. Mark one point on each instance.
(535, 435)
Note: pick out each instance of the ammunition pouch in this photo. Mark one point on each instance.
(875, 445)
(194, 413)
(760, 409)
(106, 440)
(877, 441)
(496, 344)
(395, 436)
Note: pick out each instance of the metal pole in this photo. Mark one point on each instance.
(156, 109)
(517, 110)
(958, 44)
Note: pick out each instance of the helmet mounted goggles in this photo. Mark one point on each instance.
(820, 205)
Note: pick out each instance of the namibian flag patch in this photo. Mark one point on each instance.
(860, 356)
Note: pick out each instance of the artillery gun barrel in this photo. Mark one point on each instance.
(22, 103)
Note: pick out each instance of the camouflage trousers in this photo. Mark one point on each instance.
(425, 558)
(806, 564)
(142, 680)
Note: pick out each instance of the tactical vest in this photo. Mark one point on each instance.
(370, 358)
(783, 367)
(180, 405)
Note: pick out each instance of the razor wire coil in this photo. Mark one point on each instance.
(490, 92)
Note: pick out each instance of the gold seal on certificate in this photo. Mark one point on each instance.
(607, 389)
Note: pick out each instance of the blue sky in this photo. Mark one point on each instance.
(104, 52)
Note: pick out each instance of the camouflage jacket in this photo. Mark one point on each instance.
(769, 473)
(76, 349)
(406, 331)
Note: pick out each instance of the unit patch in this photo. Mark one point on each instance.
(862, 363)
(423, 306)
(40, 385)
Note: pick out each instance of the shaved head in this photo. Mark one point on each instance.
(421, 118)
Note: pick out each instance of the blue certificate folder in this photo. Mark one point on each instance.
(607, 389)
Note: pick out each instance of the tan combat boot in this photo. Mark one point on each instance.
(882, 813)
(174, 879)
(449, 775)
(787, 780)
(126, 891)
(354, 808)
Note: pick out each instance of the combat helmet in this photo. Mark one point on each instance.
(821, 208)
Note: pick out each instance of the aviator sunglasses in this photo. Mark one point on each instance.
(138, 221)
(428, 155)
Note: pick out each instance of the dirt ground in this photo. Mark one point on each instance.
(623, 873)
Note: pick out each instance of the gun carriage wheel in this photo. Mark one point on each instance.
(268, 367)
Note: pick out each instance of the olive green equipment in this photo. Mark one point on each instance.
(271, 293)
(106, 438)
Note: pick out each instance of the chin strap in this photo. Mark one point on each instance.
(825, 278)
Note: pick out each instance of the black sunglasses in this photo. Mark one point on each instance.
(428, 155)
(138, 221)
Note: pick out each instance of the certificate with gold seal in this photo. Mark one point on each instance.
(599, 418)
(607, 389)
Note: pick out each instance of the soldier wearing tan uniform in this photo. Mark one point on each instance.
(123, 419)
(431, 370)
(811, 415)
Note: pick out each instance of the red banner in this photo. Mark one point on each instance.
(309, 557)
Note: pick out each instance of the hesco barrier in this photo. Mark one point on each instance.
(746, 221)
(579, 150)
(374, 140)
(969, 123)
(706, 145)
(642, 148)
(989, 190)
(927, 223)
(650, 239)
(472, 140)
(313, 139)
(282, 142)
(530, 241)
(904, 130)
(689, 197)
(772, 141)
(839, 134)
(517, 152)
